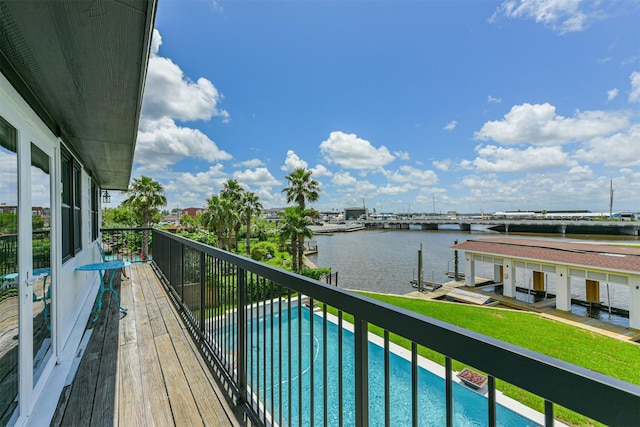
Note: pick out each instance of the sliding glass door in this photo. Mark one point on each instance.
(41, 259)
(10, 339)
(27, 285)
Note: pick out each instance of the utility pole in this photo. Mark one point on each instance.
(611, 201)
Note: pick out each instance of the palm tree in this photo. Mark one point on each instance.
(216, 216)
(251, 206)
(294, 226)
(232, 191)
(302, 188)
(235, 219)
(145, 195)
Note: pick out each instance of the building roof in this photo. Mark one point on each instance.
(594, 256)
(82, 66)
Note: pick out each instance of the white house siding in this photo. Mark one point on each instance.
(73, 291)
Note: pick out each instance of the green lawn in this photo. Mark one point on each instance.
(581, 347)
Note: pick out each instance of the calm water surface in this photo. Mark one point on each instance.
(387, 260)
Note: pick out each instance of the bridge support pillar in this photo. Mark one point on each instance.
(563, 288)
(634, 302)
(469, 271)
(509, 279)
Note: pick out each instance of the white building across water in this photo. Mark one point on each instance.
(593, 263)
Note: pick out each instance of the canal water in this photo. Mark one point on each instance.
(387, 260)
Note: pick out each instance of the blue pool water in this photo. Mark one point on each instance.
(272, 388)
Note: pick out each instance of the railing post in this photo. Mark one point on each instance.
(203, 305)
(361, 351)
(241, 344)
(549, 419)
(492, 401)
(449, 390)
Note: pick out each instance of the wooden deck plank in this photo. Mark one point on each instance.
(130, 404)
(158, 409)
(207, 401)
(153, 311)
(79, 406)
(184, 409)
(130, 397)
(127, 327)
(103, 405)
(144, 368)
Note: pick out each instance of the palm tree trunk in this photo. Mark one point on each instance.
(145, 236)
(294, 254)
(249, 235)
(300, 252)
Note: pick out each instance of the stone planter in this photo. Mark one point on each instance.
(472, 378)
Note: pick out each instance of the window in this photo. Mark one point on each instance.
(94, 211)
(71, 206)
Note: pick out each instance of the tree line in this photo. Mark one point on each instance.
(228, 215)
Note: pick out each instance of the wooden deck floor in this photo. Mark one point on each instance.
(142, 368)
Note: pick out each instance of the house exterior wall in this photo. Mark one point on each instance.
(72, 291)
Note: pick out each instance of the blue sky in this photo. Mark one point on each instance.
(408, 105)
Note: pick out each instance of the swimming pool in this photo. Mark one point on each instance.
(284, 376)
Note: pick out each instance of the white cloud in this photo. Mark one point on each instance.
(621, 149)
(259, 177)
(402, 155)
(539, 124)
(562, 16)
(161, 142)
(409, 174)
(392, 190)
(611, 94)
(443, 165)
(351, 152)
(169, 93)
(548, 190)
(495, 159)
(451, 125)
(8, 177)
(207, 182)
(293, 162)
(320, 171)
(634, 96)
(492, 100)
(344, 179)
(170, 96)
(251, 163)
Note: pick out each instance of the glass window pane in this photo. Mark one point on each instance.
(41, 255)
(9, 301)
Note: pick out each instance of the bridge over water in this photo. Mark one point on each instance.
(622, 228)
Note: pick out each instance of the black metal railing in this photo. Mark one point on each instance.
(127, 243)
(293, 360)
(41, 248)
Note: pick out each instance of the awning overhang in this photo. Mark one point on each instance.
(82, 66)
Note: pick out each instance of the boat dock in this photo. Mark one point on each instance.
(335, 228)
